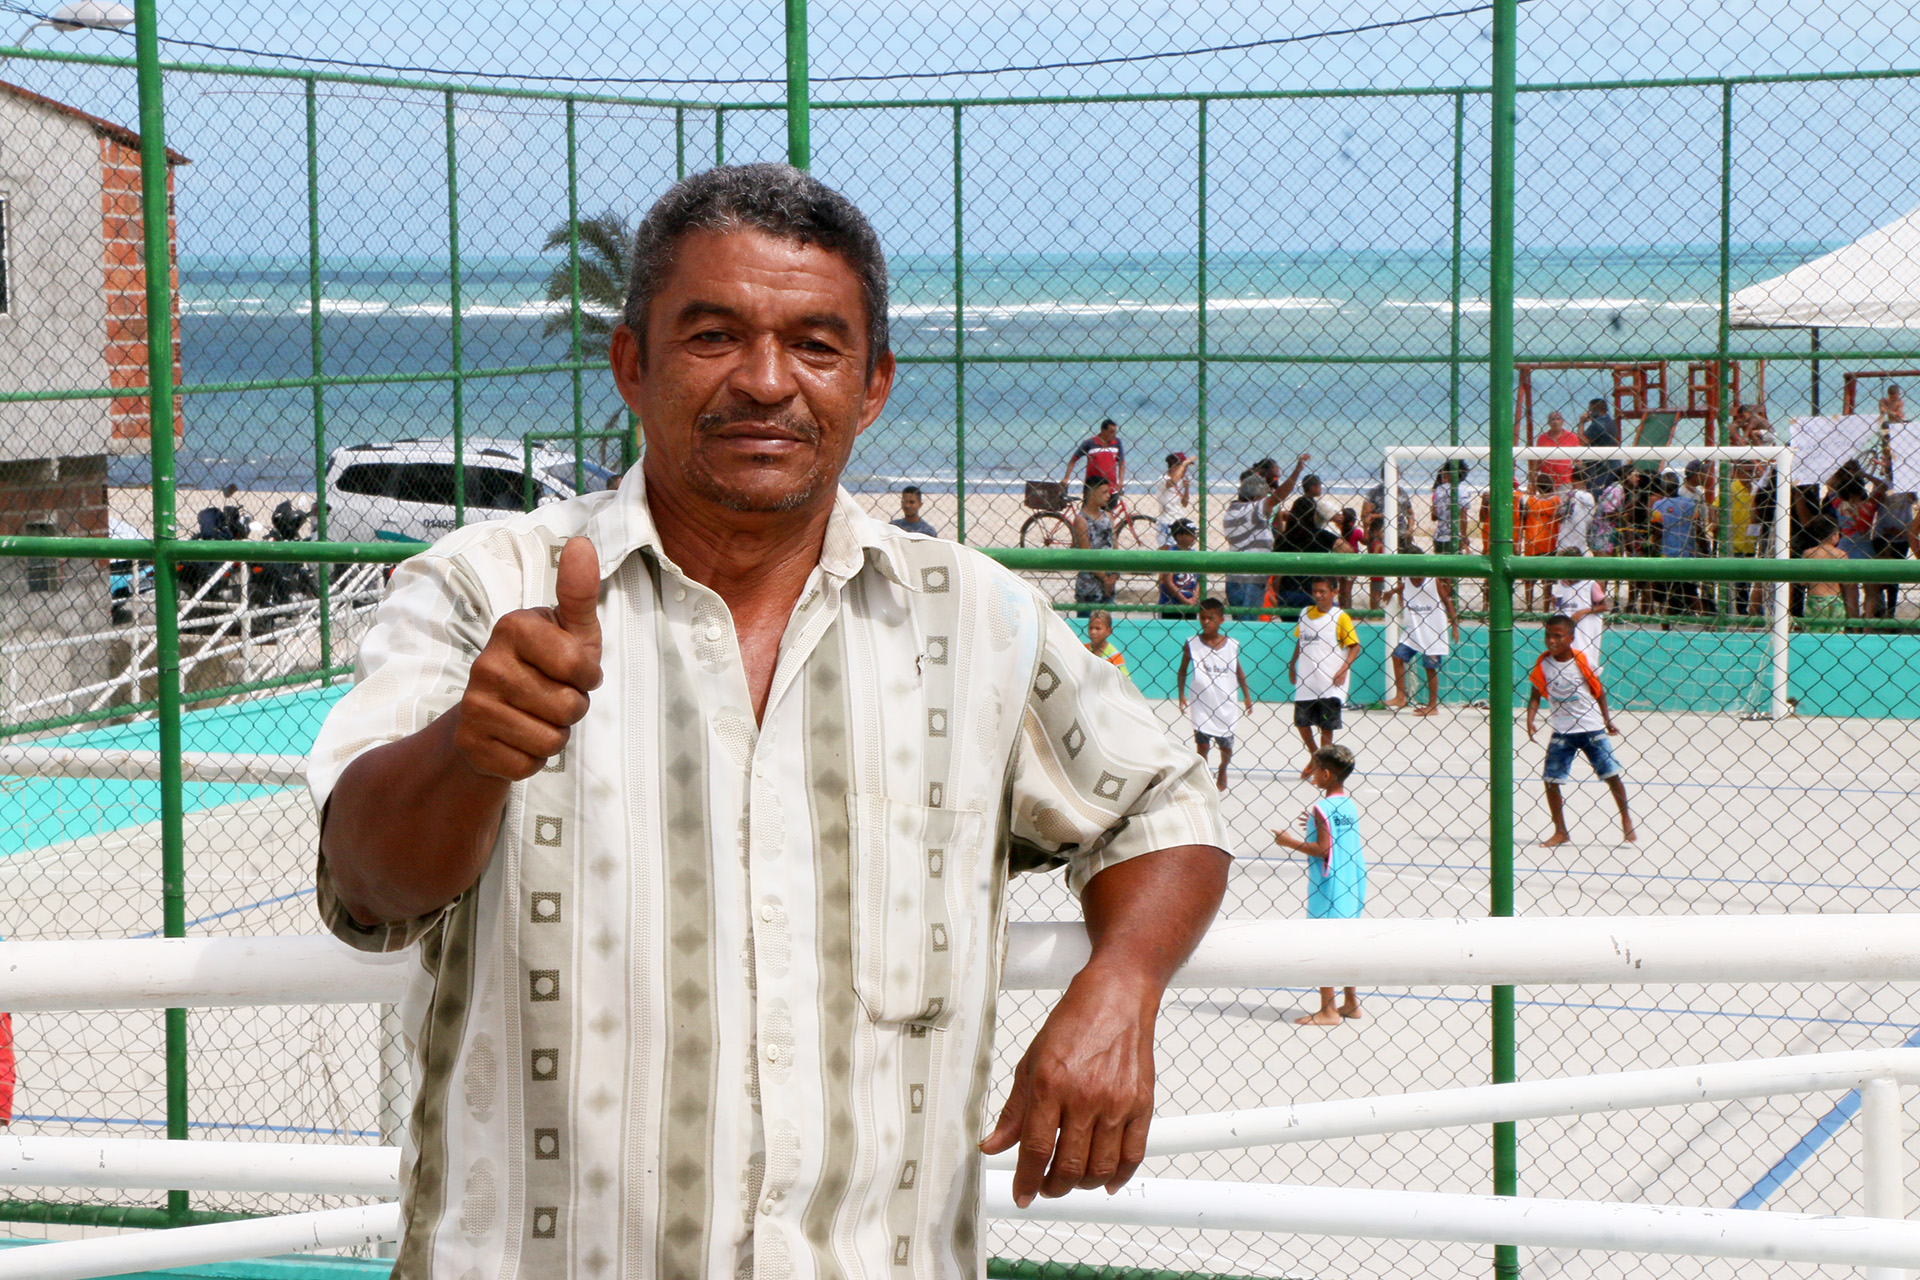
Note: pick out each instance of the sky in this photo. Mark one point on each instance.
(1812, 164)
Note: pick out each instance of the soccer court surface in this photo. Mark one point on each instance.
(1734, 816)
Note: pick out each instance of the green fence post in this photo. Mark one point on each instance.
(315, 340)
(1457, 525)
(799, 141)
(1506, 1156)
(573, 277)
(1724, 592)
(719, 135)
(1200, 335)
(453, 293)
(959, 344)
(157, 260)
(679, 143)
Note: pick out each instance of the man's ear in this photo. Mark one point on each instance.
(879, 387)
(627, 359)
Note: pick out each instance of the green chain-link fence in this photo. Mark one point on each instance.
(396, 240)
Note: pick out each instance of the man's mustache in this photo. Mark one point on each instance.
(785, 423)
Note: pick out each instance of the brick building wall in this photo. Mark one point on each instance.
(122, 232)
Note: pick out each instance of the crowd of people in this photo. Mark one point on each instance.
(1561, 506)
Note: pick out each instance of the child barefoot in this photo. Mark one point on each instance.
(1580, 722)
(1215, 661)
(1426, 608)
(1336, 864)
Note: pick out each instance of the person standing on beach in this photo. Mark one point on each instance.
(1106, 458)
(1092, 526)
(909, 517)
(695, 802)
(1173, 491)
(1249, 527)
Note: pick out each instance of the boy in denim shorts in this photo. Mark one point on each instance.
(1580, 723)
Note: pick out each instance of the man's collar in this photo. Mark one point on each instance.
(854, 539)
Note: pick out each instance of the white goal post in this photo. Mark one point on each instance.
(1780, 455)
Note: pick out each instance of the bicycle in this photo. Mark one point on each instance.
(1050, 526)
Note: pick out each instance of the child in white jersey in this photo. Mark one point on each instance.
(1580, 722)
(1215, 661)
(1324, 648)
(1426, 613)
(1583, 602)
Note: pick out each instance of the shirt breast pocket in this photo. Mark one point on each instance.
(913, 908)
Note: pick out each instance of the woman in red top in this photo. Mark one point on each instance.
(1558, 436)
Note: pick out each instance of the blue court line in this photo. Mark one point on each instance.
(1621, 875)
(1811, 1141)
(201, 1124)
(1654, 783)
(1737, 1015)
(233, 911)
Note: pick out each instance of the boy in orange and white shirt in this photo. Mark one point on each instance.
(1580, 721)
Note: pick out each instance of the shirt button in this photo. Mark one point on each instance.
(773, 1053)
(771, 1203)
(714, 631)
(679, 593)
(766, 913)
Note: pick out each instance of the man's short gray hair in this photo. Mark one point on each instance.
(775, 198)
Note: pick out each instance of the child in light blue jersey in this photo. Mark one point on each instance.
(1336, 864)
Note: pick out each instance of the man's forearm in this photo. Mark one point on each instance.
(409, 826)
(1145, 915)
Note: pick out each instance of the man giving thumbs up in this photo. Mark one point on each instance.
(699, 796)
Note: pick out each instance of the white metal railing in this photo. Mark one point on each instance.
(1780, 455)
(1521, 952)
(160, 973)
(358, 592)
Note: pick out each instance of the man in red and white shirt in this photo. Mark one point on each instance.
(1106, 457)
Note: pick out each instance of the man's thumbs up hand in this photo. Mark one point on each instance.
(529, 686)
(577, 599)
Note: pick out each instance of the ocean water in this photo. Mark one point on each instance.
(1118, 335)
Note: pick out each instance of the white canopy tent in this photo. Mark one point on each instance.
(1873, 283)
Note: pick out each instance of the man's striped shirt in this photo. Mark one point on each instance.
(723, 1001)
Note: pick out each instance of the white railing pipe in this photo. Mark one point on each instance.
(167, 973)
(1530, 951)
(1464, 1219)
(197, 1246)
(1883, 1188)
(160, 1164)
(144, 766)
(1478, 1105)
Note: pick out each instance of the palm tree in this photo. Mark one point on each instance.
(606, 250)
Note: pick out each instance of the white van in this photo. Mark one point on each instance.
(403, 491)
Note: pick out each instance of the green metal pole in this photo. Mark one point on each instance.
(1457, 525)
(459, 354)
(799, 141)
(315, 341)
(1723, 593)
(719, 135)
(1506, 1155)
(573, 276)
(959, 343)
(1200, 336)
(157, 257)
(679, 143)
